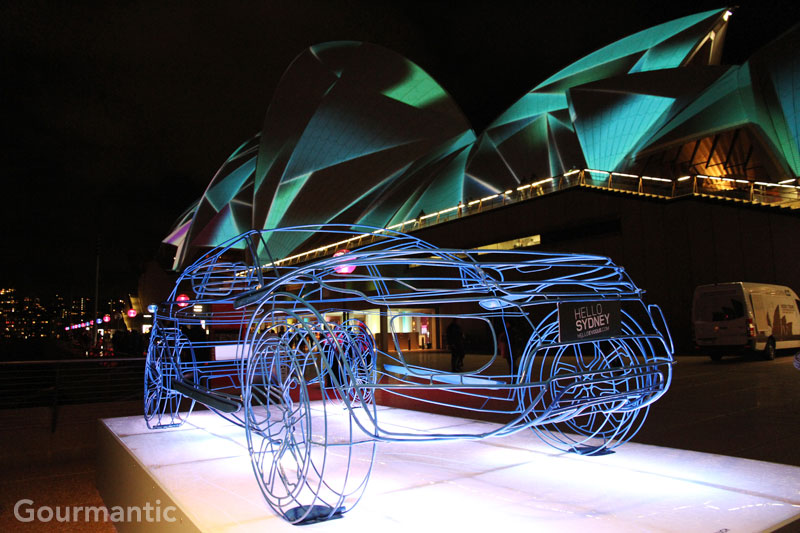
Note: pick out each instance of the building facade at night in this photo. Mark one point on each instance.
(648, 150)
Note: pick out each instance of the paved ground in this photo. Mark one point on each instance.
(740, 407)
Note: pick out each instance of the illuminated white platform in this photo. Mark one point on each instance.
(515, 483)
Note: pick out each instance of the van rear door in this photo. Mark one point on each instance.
(719, 315)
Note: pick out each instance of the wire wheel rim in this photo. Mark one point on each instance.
(602, 426)
(349, 349)
(583, 424)
(153, 387)
(160, 401)
(303, 453)
(288, 463)
(279, 434)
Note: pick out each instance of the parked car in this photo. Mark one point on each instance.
(299, 351)
(737, 317)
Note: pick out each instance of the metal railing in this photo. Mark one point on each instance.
(754, 192)
(70, 381)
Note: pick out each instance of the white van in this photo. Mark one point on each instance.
(732, 317)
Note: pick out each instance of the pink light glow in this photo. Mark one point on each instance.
(343, 269)
(131, 313)
(182, 299)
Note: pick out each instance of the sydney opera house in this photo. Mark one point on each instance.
(649, 150)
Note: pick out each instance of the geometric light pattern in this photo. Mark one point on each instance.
(609, 135)
(358, 134)
(355, 133)
(743, 125)
(779, 94)
(565, 123)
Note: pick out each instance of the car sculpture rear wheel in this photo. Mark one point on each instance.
(595, 412)
(349, 349)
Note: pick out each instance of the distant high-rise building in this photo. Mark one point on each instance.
(33, 320)
(8, 313)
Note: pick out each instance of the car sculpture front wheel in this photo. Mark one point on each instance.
(163, 406)
(301, 446)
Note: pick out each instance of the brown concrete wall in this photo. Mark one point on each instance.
(667, 246)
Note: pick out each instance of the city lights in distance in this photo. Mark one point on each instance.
(131, 313)
(106, 318)
(152, 308)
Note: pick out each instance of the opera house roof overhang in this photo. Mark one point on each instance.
(357, 134)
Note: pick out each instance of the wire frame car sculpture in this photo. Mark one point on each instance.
(300, 351)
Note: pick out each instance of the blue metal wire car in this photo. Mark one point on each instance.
(300, 351)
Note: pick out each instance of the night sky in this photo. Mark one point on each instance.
(117, 114)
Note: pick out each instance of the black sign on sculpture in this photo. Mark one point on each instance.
(585, 321)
